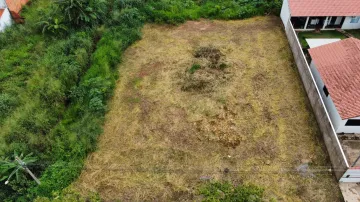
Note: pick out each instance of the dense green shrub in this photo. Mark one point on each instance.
(83, 12)
(76, 135)
(176, 11)
(7, 103)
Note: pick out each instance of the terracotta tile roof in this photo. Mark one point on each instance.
(339, 66)
(324, 7)
(1, 12)
(15, 6)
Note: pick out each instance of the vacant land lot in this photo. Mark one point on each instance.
(209, 100)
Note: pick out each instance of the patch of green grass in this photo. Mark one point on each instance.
(134, 100)
(323, 34)
(194, 68)
(355, 33)
(137, 82)
(223, 66)
(225, 191)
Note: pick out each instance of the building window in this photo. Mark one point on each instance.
(326, 91)
(353, 122)
(355, 19)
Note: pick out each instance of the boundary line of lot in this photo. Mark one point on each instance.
(337, 156)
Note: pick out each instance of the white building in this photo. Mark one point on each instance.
(321, 14)
(5, 16)
(10, 12)
(336, 69)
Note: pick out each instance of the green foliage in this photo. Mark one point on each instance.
(130, 17)
(7, 104)
(76, 135)
(177, 11)
(225, 191)
(8, 168)
(83, 12)
(54, 26)
(172, 12)
(68, 195)
(193, 68)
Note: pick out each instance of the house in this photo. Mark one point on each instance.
(5, 17)
(15, 7)
(336, 70)
(321, 14)
(10, 11)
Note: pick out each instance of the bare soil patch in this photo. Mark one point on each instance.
(240, 114)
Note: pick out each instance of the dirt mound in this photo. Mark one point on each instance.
(209, 70)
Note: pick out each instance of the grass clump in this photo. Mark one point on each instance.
(227, 192)
(355, 33)
(193, 68)
(215, 59)
(208, 72)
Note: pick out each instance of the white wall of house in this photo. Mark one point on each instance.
(338, 123)
(5, 20)
(348, 25)
(348, 129)
(3, 4)
(285, 12)
(351, 175)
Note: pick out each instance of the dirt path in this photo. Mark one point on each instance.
(249, 124)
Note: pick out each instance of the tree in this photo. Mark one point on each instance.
(54, 26)
(82, 12)
(8, 168)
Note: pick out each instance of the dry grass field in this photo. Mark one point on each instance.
(217, 100)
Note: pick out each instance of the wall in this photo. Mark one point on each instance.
(337, 157)
(285, 12)
(351, 175)
(3, 4)
(348, 25)
(348, 129)
(5, 20)
(330, 106)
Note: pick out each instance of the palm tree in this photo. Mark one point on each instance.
(16, 166)
(54, 26)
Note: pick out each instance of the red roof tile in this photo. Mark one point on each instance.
(15, 6)
(1, 12)
(339, 66)
(324, 7)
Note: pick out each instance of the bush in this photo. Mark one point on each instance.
(7, 103)
(76, 135)
(193, 68)
(177, 11)
(130, 17)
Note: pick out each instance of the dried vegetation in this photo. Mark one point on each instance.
(170, 127)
